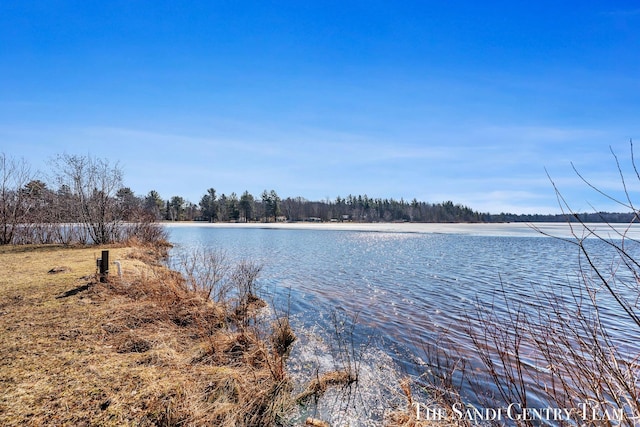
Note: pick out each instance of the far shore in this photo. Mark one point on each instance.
(555, 229)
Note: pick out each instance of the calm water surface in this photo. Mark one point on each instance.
(405, 288)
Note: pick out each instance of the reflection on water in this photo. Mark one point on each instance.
(404, 288)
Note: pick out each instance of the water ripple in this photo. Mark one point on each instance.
(410, 287)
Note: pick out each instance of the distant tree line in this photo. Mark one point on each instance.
(270, 207)
(609, 217)
(84, 200)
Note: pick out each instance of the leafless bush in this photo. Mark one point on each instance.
(502, 346)
(573, 354)
(600, 367)
(444, 375)
(244, 278)
(564, 356)
(588, 365)
(578, 351)
(347, 351)
(206, 271)
(145, 231)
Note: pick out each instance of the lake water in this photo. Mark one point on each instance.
(401, 286)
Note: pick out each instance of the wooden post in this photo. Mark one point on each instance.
(104, 266)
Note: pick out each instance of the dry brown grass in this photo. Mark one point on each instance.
(141, 350)
(319, 385)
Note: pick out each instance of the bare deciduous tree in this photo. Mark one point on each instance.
(14, 206)
(93, 183)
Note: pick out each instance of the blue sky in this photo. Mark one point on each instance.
(466, 101)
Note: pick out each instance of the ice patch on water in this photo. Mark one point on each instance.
(362, 403)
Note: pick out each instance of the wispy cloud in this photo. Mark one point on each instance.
(631, 12)
(539, 133)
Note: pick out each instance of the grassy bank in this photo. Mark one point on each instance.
(141, 350)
